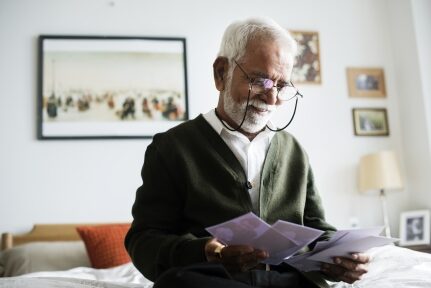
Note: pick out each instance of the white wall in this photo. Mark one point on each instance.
(95, 181)
(411, 42)
(421, 11)
(422, 22)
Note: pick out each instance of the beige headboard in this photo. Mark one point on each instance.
(43, 232)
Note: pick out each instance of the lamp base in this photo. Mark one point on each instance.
(385, 213)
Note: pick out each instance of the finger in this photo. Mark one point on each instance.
(262, 255)
(212, 243)
(244, 262)
(347, 279)
(349, 264)
(210, 248)
(236, 250)
(250, 261)
(254, 258)
(361, 257)
(353, 275)
(341, 273)
(244, 259)
(350, 277)
(333, 270)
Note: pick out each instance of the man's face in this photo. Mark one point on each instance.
(263, 58)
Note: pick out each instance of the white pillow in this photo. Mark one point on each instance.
(43, 256)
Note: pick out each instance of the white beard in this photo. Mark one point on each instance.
(253, 122)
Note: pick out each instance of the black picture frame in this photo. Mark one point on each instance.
(110, 87)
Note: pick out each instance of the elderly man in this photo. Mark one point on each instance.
(226, 163)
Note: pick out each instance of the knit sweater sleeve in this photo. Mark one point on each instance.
(314, 215)
(155, 242)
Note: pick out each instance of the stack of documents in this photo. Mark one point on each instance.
(283, 239)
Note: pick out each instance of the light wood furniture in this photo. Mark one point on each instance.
(420, 248)
(44, 232)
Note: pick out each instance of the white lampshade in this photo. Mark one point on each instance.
(379, 171)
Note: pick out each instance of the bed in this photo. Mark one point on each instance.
(59, 256)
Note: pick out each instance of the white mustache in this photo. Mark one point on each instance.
(263, 106)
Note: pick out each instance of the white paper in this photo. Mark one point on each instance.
(299, 234)
(345, 243)
(347, 248)
(281, 240)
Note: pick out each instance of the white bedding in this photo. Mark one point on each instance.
(390, 267)
(82, 277)
(394, 267)
(56, 282)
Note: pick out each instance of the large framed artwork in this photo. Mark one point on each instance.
(307, 65)
(415, 228)
(110, 87)
(366, 82)
(370, 122)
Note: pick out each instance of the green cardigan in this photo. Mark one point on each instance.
(192, 180)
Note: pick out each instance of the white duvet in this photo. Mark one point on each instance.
(82, 277)
(394, 267)
(390, 267)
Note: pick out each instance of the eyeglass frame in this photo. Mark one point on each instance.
(248, 101)
(278, 88)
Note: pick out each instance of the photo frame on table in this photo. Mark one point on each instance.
(97, 87)
(307, 65)
(415, 228)
(370, 122)
(366, 82)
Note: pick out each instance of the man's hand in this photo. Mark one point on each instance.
(235, 258)
(347, 270)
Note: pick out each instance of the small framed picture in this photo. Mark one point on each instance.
(366, 82)
(370, 122)
(99, 87)
(307, 64)
(415, 228)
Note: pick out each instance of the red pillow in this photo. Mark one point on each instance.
(105, 244)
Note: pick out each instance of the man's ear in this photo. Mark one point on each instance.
(220, 68)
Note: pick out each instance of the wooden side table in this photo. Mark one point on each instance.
(420, 248)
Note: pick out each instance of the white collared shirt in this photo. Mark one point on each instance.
(251, 154)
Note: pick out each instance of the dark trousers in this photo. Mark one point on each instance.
(209, 275)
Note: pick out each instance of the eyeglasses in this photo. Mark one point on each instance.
(260, 85)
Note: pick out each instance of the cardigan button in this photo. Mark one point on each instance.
(248, 185)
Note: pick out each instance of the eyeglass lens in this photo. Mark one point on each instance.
(264, 86)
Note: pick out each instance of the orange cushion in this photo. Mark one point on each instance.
(105, 244)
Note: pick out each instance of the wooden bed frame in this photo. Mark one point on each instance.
(44, 232)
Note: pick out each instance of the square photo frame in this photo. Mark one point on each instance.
(370, 122)
(97, 87)
(307, 65)
(415, 228)
(366, 82)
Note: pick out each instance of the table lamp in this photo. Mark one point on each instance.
(379, 171)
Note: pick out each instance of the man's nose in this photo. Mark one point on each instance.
(271, 96)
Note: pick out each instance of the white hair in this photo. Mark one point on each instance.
(233, 47)
(238, 34)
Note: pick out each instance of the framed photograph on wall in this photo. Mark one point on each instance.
(370, 122)
(307, 65)
(110, 87)
(415, 228)
(366, 82)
